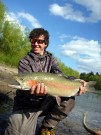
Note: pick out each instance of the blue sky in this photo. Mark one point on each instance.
(74, 27)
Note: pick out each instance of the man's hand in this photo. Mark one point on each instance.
(82, 88)
(39, 90)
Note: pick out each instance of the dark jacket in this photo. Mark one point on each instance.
(34, 63)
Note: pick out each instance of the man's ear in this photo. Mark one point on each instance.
(46, 45)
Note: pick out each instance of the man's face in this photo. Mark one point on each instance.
(38, 45)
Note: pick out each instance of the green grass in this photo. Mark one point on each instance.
(9, 59)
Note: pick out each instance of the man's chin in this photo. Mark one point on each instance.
(36, 52)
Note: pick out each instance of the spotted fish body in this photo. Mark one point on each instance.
(57, 85)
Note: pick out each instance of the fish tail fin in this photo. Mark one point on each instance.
(90, 87)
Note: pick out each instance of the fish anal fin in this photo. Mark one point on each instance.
(58, 100)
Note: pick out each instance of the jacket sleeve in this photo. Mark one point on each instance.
(55, 67)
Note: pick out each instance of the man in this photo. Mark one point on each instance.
(27, 103)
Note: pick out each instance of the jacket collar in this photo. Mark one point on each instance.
(36, 56)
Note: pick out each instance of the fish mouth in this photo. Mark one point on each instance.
(15, 86)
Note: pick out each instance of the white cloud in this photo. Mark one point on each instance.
(69, 12)
(11, 17)
(86, 53)
(33, 21)
(17, 17)
(94, 6)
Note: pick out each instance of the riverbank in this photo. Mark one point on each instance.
(7, 69)
(6, 77)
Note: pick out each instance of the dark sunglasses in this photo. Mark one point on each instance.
(39, 41)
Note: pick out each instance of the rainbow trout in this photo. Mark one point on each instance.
(57, 85)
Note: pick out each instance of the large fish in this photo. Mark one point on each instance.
(57, 85)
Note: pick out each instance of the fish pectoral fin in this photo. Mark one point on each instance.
(32, 82)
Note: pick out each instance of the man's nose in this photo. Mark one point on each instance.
(36, 43)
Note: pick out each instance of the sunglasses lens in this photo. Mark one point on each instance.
(39, 41)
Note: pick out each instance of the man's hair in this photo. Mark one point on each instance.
(35, 33)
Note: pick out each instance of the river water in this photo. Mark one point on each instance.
(73, 124)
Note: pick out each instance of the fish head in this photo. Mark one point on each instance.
(24, 83)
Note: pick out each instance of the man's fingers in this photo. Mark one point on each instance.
(84, 83)
(37, 91)
(32, 90)
(40, 89)
(82, 90)
(43, 89)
